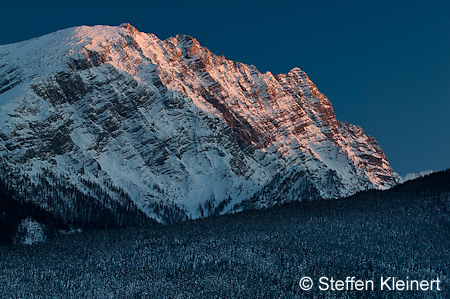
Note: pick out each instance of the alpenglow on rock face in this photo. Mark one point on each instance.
(110, 118)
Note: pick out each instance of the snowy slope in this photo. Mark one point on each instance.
(171, 127)
(415, 175)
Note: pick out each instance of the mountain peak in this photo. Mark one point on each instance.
(148, 122)
(129, 27)
(187, 42)
(296, 70)
(185, 38)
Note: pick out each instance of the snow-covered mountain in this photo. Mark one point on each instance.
(167, 128)
(415, 175)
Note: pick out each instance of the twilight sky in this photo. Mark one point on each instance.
(384, 65)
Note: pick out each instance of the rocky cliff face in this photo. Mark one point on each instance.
(169, 129)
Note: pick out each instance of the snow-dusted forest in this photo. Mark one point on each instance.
(402, 232)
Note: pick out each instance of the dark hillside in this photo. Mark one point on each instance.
(403, 232)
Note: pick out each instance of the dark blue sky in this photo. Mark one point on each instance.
(384, 65)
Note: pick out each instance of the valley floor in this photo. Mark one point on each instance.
(403, 232)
